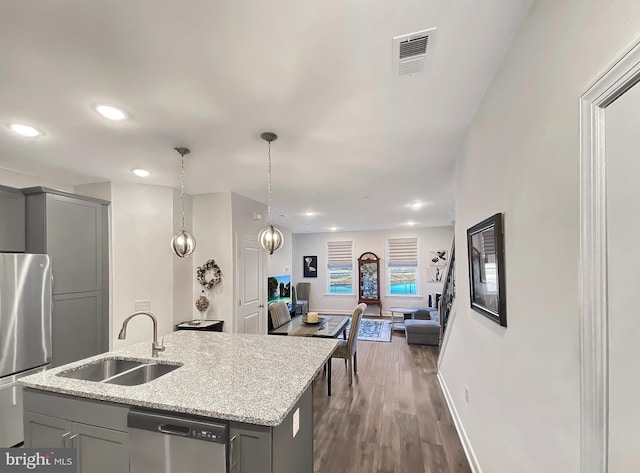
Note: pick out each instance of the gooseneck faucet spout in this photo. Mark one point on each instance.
(155, 346)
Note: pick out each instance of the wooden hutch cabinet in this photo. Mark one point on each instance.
(369, 280)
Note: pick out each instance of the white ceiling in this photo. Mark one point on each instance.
(357, 144)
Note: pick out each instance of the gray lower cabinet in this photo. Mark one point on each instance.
(250, 448)
(97, 429)
(76, 327)
(99, 449)
(12, 220)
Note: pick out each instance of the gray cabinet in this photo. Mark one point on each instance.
(250, 449)
(73, 231)
(100, 449)
(76, 316)
(12, 220)
(97, 429)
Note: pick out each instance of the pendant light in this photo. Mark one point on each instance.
(270, 238)
(183, 243)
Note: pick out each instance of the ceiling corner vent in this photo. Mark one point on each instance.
(412, 51)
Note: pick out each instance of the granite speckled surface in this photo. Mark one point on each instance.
(255, 379)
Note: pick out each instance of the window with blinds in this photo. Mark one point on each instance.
(402, 261)
(340, 267)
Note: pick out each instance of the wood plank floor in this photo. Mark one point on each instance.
(394, 418)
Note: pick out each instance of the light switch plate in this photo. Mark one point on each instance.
(296, 422)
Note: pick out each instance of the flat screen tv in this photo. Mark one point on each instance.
(279, 288)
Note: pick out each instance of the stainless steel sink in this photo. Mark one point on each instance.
(122, 372)
(102, 369)
(142, 374)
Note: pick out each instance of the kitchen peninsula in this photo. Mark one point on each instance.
(256, 387)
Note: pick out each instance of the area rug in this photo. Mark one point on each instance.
(373, 330)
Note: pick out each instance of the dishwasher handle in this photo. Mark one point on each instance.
(169, 424)
(174, 429)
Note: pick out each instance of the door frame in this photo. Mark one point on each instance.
(594, 401)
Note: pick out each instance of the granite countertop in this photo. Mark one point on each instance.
(255, 379)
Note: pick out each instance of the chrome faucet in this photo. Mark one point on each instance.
(155, 346)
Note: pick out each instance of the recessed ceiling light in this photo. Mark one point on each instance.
(141, 172)
(416, 205)
(333, 229)
(309, 214)
(25, 130)
(111, 113)
(411, 223)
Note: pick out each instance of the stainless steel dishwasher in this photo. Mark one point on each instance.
(176, 444)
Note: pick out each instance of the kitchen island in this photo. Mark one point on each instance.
(258, 386)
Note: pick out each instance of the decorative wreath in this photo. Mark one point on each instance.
(202, 271)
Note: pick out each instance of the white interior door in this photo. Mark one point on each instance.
(623, 279)
(250, 314)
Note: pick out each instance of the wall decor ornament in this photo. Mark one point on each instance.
(202, 304)
(438, 258)
(216, 276)
(310, 266)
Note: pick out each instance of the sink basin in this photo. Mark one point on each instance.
(142, 374)
(102, 369)
(122, 372)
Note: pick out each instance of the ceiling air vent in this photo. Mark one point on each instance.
(411, 52)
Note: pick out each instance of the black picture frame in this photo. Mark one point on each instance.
(310, 266)
(485, 247)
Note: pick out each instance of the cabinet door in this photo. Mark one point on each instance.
(101, 450)
(42, 431)
(74, 243)
(250, 449)
(12, 221)
(76, 327)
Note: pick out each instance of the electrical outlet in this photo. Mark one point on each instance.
(466, 394)
(141, 305)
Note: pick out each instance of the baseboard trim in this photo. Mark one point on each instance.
(466, 444)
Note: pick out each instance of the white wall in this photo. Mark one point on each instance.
(623, 266)
(142, 226)
(212, 226)
(315, 244)
(281, 262)
(20, 180)
(184, 269)
(520, 157)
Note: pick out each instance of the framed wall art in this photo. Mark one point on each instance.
(485, 244)
(310, 266)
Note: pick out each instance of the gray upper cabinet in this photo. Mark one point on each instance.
(73, 231)
(69, 230)
(12, 220)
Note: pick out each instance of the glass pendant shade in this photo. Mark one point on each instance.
(270, 239)
(183, 243)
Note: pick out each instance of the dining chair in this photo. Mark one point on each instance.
(279, 314)
(347, 348)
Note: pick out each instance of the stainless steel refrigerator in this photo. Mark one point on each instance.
(25, 333)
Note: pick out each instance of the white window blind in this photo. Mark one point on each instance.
(340, 254)
(402, 252)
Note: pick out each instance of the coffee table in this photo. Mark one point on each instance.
(400, 310)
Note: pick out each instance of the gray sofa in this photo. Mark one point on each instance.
(424, 327)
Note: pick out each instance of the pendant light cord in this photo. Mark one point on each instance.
(269, 187)
(182, 188)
